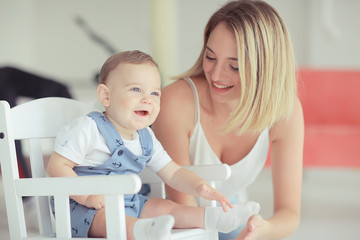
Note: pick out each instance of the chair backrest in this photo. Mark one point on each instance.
(32, 121)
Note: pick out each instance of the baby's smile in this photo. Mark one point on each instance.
(142, 113)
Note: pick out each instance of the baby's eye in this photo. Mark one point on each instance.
(155, 94)
(135, 89)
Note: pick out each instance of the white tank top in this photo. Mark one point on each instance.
(243, 173)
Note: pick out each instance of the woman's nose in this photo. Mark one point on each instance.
(217, 72)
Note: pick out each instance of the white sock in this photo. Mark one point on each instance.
(158, 228)
(216, 218)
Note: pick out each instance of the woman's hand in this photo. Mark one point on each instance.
(95, 201)
(253, 229)
(205, 191)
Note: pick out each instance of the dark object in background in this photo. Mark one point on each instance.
(15, 83)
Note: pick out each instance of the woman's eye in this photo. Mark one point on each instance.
(210, 58)
(136, 89)
(234, 68)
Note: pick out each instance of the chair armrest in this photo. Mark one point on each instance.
(214, 172)
(210, 173)
(62, 187)
(84, 185)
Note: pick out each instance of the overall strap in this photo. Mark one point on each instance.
(146, 141)
(108, 130)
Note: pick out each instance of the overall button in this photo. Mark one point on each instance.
(120, 152)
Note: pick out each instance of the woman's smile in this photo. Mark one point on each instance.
(221, 88)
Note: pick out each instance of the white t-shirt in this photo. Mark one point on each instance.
(81, 142)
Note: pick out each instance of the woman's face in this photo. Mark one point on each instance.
(220, 65)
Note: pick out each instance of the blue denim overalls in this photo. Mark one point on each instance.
(122, 161)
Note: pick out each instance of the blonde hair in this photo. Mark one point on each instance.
(133, 57)
(265, 60)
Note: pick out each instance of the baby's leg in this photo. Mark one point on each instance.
(98, 225)
(158, 228)
(185, 216)
(207, 218)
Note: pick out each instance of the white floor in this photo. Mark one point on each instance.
(330, 204)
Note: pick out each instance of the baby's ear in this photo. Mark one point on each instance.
(103, 94)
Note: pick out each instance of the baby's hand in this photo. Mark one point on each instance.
(209, 193)
(95, 201)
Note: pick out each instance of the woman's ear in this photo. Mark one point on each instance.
(103, 94)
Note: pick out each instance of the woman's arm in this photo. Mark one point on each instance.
(287, 139)
(174, 127)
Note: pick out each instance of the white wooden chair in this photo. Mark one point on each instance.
(41, 119)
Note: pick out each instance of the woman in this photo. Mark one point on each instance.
(238, 98)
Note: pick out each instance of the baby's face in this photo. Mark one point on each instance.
(134, 95)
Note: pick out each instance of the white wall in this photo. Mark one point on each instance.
(42, 36)
(334, 33)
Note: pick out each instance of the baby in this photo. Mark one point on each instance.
(120, 141)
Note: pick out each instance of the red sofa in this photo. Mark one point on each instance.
(331, 105)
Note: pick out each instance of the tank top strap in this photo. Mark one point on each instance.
(196, 98)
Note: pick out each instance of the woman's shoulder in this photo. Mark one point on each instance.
(181, 89)
(177, 94)
(177, 105)
(178, 88)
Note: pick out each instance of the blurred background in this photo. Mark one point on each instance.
(68, 41)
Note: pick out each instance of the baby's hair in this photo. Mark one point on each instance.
(132, 57)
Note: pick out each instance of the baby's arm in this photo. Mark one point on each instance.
(60, 166)
(188, 182)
